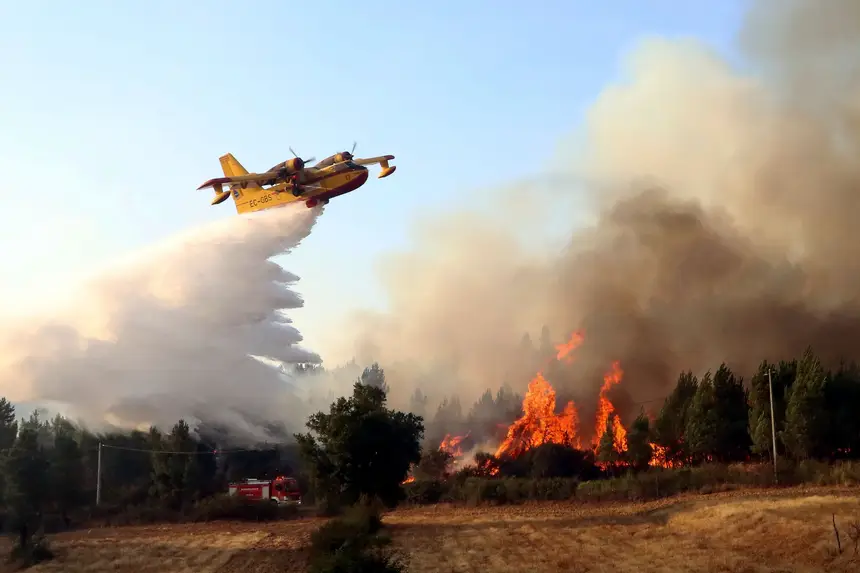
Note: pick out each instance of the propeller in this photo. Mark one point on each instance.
(348, 155)
(308, 160)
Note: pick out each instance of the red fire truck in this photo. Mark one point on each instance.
(281, 490)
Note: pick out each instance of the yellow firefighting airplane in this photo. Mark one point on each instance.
(291, 181)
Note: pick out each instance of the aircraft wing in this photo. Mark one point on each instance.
(383, 162)
(371, 160)
(251, 177)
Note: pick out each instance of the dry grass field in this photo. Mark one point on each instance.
(737, 532)
(788, 530)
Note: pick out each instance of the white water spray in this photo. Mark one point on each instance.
(171, 332)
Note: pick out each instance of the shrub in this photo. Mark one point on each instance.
(220, 507)
(227, 507)
(353, 544)
(111, 516)
(36, 550)
(358, 526)
(375, 561)
(651, 484)
(422, 492)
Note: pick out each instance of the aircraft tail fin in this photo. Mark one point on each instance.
(232, 168)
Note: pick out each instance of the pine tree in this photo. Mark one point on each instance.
(759, 414)
(639, 451)
(483, 409)
(449, 415)
(805, 413)
(42, 428)
(842, 396)
(8, 425)
(761, 433)
(509, 404)
(702, 429)
(607, 447)
(185, 472)
(374, 376)
(8, 433)
(67, 468)
(160, 474)
(26, 483)
(671, 423)
(170, 464)
(732, 415)
(418, 403)
(527, 347)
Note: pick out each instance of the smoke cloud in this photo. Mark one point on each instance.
(169, 333)
(725, 228)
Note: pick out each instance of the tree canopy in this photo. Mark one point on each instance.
(360, 448)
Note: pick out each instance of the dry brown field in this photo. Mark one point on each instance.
(748, 531)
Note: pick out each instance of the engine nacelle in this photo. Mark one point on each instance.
(294, 164)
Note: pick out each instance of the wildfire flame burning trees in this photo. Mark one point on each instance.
(605, 409)
(540, 424)
(451, 444)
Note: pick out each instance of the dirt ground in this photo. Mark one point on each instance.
(789, 530)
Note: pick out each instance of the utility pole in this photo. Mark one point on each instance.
(99, 476)
(772, 424)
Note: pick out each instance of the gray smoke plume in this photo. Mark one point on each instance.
(725, 228)
(171, 331)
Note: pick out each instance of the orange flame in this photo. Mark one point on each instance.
(659, 457)
(606, 409)
(451, 444)
(539, 423)
(566, 348)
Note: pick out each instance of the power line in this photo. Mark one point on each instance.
(187, 453)
(216, 452)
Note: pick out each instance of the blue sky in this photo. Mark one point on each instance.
(112, 113)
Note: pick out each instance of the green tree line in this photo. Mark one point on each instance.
(49, 466)
(719, 418)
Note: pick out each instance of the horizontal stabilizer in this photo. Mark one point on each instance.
(214, 182)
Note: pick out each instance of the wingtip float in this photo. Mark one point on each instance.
(293, 180)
